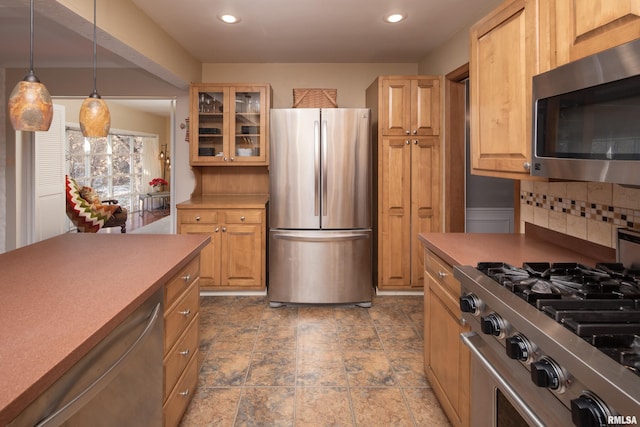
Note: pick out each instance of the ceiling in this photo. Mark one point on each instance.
(286, 31)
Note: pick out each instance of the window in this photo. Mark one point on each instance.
(113, 166)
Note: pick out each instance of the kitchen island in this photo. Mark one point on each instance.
(60, 297)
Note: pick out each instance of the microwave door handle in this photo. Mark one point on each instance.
(316, 167)
(466, 338)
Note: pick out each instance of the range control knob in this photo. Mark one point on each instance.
(469, 303)
(547, 373)
(519, 348)
(493, 324)
(589, 411)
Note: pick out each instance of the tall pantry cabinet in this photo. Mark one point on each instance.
(406, 119)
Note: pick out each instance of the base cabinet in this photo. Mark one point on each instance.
(446, 359)
(235, 259)
(181, 341)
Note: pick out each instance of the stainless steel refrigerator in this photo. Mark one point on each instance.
(320, 238)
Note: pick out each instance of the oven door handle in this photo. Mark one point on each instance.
(467, 338)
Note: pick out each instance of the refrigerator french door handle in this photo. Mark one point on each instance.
(323, 164)
(316, 166)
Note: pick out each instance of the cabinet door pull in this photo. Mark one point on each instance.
(232, 158)
(185, 313)
(407, 142)
(224, 229)
(184, 393)
(415, 142)
(442, 274)
(526, 166)
(197, 218)
(408, 132)
(415, 132)
(184, 352)
(242, 218)
(217, 229)
(186, 278)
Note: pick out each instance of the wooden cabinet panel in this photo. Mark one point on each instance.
(396, 107)
(210, 255)
(408, 169)
(395, 213)
(179, 355)
(178, 316)
(241, 254)
(425, 102)
(504, 58)
(178, 400)
(181, 282)
(446, 359)
(586, 27)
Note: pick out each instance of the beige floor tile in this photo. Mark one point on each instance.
(266, 406)
(425, 407)
(409, 368)
(353, 337)
(315, 335)
(212, 407)
(388, 314)
(275, 337)
(272, 368)
(323, 406)
(235, 338)
(320, 368)
(224, 368)
(368, 369)
(400, 337)
(382, 406)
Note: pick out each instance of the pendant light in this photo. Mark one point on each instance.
(30, 106)
(95, 119)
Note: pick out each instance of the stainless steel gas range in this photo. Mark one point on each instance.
(554, 344)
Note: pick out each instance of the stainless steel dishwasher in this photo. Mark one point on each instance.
(118, 383)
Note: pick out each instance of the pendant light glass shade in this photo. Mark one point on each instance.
(95, 118)
(30, 106)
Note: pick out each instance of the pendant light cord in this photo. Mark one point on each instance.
(31, 39)
(95, 91)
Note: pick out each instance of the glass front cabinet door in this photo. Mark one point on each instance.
(229, 124)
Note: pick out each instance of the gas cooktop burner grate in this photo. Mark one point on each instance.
(601, 304)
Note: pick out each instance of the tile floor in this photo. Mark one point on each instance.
(312, 365)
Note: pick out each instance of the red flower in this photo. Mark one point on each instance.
(155, 182)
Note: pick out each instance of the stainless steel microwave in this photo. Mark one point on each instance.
(586, 118)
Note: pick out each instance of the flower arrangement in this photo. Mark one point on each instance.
(156, 182)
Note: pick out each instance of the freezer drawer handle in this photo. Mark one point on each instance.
(332, 237)
(64, 413)
(316, 167)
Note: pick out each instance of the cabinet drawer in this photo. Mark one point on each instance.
(180, 354)
(442, 272)
(178, 316)
(179, 398)
(181, 282)
(197, 216)
(243, 217)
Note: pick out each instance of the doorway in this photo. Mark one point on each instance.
(473, 203)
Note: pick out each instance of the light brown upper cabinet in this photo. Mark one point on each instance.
(406, 121)
(586, 27)
(505, 55)
(229, 124)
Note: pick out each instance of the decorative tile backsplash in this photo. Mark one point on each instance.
(587, 210)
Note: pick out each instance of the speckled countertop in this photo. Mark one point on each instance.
(61, 296)
(515, 249)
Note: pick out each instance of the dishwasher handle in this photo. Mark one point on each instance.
(75, 404)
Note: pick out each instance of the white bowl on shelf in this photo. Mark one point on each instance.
(245, 152)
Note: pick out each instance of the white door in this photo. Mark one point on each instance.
(50, 217)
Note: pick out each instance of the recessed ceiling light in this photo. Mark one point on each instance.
(229, 19)
(395, 17)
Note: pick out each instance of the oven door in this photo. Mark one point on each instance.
(502, 393)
